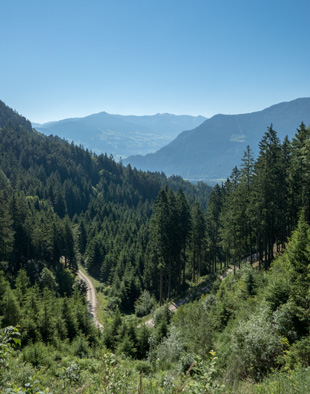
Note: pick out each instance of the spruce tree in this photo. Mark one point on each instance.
(6, 228)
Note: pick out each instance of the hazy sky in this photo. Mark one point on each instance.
(68, 58)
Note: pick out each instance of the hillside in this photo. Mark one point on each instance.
(211, 150)
(121, 135)
(8, 116)
(57, 184)
(149, 242)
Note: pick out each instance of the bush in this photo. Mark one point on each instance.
(144, 304)
(114, 303)
(278, 291)
(208, 302)
(143, 366)
(38, 355)
(284, 321)
(161, 314)
(80, 347)
(9, 339)
(299, 354)
(170, 349)
(297, 381)
(72, 374)
(186, 361)
(255, 346)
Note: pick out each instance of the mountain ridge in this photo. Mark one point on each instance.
(121, 135)
(212, 149)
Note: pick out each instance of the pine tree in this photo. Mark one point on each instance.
(231, 218)
(82, 237)
(69, 317)
(69, 246)
(10, 308)
(245, 193)
(297, 169)
(6, 228)
(213, 226)
(197, 240)
(267, 184)
(143, 342)
(159, 239)
(305, 152)
(46, 321)
(184, 230)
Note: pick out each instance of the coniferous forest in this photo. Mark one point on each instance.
(234, 259)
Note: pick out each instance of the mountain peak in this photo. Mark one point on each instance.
(212, 149)
(122, 135)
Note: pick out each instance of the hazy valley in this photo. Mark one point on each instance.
(120, 135)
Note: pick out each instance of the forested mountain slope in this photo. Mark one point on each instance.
(211, 150)
(61, 200)
(147, 241)
(122, 135)
(8, 116)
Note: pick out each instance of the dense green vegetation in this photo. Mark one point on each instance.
(149, 239)
(59, 200)
(258, 207)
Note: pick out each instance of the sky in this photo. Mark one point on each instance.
(61, 59)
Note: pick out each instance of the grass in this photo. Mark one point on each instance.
(293, 382)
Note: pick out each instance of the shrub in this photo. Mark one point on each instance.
(38, 355)
(299, 353)
(9, 339)
(170, 349)
(80, 347)
(144, 304)
(255, 346)
(161, 314)
(143, 366)
(284, 321)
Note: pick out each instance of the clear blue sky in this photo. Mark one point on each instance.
(68, 58)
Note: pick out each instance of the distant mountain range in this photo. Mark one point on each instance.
(121, 135)
(210, 151)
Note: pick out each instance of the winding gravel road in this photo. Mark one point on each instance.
(91, 298)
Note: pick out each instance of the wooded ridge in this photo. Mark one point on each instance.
(147, 239)
(209, 151)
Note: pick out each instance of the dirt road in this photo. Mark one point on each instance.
(91, 298)
(174, 306)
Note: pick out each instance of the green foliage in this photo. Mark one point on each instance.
(297, 381)
(47, 279)
(195, 325)
(10, 308)
(38, 354)
(6, 227)
(80, 347)
(255, 346)
(170, 348)
(298, 354)
(203, 377)
(143, 336)
(144, 304)
(9, 339)
(72, 374)
(113, 378)
(145, 239)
